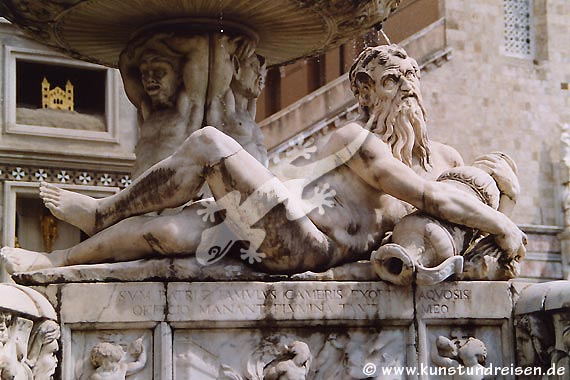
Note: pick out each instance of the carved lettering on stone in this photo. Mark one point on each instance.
(283, 301)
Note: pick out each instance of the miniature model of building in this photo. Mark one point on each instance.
(57, 98)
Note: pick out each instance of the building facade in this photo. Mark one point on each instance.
(63, 121)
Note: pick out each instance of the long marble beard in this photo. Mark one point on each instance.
(403, 127)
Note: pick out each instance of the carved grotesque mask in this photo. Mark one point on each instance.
(526, 353)
(5, 320)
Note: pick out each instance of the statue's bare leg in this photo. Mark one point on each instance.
(208, 154)
(74, 208)
(131, 239)
(168, 184)
(19, 260)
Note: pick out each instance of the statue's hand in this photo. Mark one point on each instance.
(513, 242)
(49, 335)
(497, 165)
(136, 347)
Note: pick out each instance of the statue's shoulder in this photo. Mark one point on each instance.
(448, 154)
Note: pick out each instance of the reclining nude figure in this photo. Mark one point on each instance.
(380, 167)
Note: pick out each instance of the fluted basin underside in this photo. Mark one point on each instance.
(98, 30)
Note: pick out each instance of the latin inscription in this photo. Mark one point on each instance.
(440, 301)
(252, 301)
(144, 303)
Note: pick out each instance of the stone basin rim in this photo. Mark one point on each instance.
(196, 24)
(287, 30)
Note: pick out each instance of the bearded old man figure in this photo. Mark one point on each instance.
(380, 167)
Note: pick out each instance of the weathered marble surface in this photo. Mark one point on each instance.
(108, 354)
(353, 190)
(313, 329)
(29, 334)
(286, 29)
(186, 269)
(542, 320)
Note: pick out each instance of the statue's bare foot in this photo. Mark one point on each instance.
(20, 260)
(73, 208)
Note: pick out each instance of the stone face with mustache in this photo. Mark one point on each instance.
(393, 102)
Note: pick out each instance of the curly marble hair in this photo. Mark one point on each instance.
(105, 350)
(370, 57)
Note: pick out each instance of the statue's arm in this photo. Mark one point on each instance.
(137, 348)
(503, 170)
(136, 366)
(442, 361)
(133, 85)
(375, 164)
(195, 71)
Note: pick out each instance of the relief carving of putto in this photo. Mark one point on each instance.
(113, 355)
(320, 355)
(467, 354)
(275, 362)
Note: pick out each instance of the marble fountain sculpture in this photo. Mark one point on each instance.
(211, 266)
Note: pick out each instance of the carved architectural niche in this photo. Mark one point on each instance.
(542, 328)
(59, 97)
(112, 354)
(28, 334)
(28, 222)
(22, 213)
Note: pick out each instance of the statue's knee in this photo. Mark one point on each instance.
(209, 145)
(207, 135)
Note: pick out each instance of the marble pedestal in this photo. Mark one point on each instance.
(224, 330)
